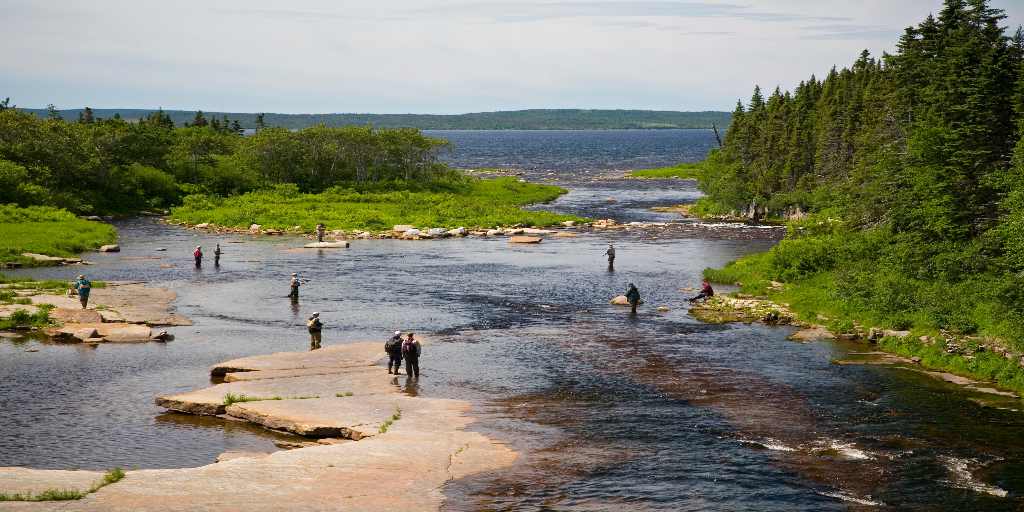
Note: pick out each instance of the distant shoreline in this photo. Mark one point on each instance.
(536, 119)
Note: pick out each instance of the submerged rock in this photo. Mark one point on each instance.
(524, 240)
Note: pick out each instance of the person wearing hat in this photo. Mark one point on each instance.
(315, 327)
(216, 255)
(199, 256)
(393, 347)
(295, 285)
(84, 287)
(610, 252)
(411, 352)
(705, 292)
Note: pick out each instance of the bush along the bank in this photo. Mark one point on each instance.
(457, 202)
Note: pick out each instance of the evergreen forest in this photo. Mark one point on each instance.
(903, 176)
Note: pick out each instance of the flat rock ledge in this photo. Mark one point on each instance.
(403, 468)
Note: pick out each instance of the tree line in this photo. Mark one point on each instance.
(111, 166)
(911, 165)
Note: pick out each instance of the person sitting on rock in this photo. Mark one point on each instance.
(393, 347)
(84, 287)
(705, 292)
(632, 296)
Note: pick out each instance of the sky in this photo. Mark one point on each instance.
(434, 57)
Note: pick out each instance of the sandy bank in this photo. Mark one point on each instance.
(401, 467)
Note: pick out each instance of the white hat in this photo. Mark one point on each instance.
(316, 314)
(294, 274)
(398, 333)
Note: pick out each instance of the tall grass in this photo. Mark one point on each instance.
(480, 203)
(50, 231)
(675, 171)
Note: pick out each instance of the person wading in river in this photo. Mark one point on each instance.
(199, 256)
(216, 255)
(315, 327)
(296, 282)
(393, 347)
(633, 296)
(411, 352)
(84, 287)
(610, 252)
(320, 229)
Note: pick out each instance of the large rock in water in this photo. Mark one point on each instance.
(76, 316)
(621, 301)
(460, 231)
(110, 248)
(327, 245)
(86, 333)
(524, 240)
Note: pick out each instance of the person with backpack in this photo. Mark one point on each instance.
(199, 256)
(83, 286)
(315, 327)
(393, 347)
(633, 296)
(411, 352)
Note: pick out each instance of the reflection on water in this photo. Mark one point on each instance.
(610, 411)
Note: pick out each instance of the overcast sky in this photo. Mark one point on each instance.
(431, 56)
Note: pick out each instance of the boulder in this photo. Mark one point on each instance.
(525, 240)
(87, 333)
(162, 336)
(516, 231)
(437, 231)
(460, 231)
(402, 228)
(608, 199)
(495, 232)
(203, 225)
(899, 334)
(662, 308)
(254, 227)
(621, 301)
(110, 248)
(76, 316)
(411, 232)
(569, 223)
(273, 232)
(327, 245)
(165, 266)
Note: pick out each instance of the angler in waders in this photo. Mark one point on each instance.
(320, 229)
(216, 255)
(610, 252)
(83, 286)
(633, 296)
(393, 347)
(411, 352)
(296, 282)
(315, 327)
(199, 256)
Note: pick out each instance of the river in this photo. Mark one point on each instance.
(610, 412)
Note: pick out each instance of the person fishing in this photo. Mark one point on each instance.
(296, 282)
(393, 347)
(216, 255)
(320, 229)
(610, 252)
(199, 256)
(632, 296)
(705, 292)
(315, 327)
(411, 352)
(83, 287)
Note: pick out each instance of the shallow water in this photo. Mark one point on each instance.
(610, 412)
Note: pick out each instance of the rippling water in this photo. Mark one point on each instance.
(610, 412)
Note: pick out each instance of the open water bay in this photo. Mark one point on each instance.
(610, 411)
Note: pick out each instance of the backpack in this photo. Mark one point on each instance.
(84, 285)
(197, 253)
(408, 348)
(311, 322)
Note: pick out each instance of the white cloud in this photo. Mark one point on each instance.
(433, 56)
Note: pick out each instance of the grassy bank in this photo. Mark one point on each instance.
(820, 285)
(676, 171)
(50, 231)
(476, 203)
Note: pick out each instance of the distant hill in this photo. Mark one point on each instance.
(538, 119)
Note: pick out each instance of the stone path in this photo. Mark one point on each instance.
(401, 467)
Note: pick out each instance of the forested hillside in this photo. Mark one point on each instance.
(536, 119)
(110, 166)
(911, 167)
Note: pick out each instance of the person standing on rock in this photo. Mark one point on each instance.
(320, 229)
(705, 292)
(411, 352)
(315, 327)
(610, 252)
(199, 256)
(84, 287)
(393, 347)
(216, 255)
(632, 296)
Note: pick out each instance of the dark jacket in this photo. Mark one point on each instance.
(707, 291)
(393, 346)
(632, 294)
(316, 326)
(413, 351)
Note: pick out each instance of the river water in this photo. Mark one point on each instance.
(610, 411)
